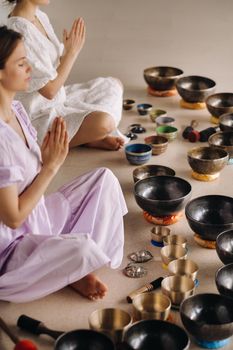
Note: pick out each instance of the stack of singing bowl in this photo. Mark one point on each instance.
(210, 215)
(162, 195)
(209, 319)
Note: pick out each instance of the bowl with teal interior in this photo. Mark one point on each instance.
(138, 153)
(168, 131)
(162, 78)
(224, 246)
(144, 108)
(128, 104)
(220, 103)
(162, 195)
(195, 88)
(208, 318)
(165, 120)
(145, 171)
(207, 160)
(210, 215)
(223, 140)
(155, 113)
(158, 143)
(224, 280)
(226, 122)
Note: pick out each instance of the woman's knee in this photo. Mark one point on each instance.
(104, 122)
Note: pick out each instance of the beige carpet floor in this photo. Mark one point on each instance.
(66, 310)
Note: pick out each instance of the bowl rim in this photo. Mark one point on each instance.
(221, 234)
(215, 95)
(224, 115)
(223, 267)
(141, 153)
(217, 134)
(208, 295)
(181, 72)
(164, 200)
(202, 223)
(196, 76)
(211, 149)
(135, 171)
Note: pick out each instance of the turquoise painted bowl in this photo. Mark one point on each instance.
(138, 153)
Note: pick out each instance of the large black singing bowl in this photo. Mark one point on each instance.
(224, 280)
(208, 317)
(156, 334)
(162, 195)
(210, 215)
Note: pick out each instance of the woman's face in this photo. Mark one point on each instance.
(15, 76)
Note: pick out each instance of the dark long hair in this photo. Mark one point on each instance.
(8, 42)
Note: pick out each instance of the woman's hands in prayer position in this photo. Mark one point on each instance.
(55, 145)
(74, 40)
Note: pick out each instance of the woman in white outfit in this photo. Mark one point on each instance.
(92, 110)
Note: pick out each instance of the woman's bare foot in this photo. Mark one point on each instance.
(111, 143)
(90, 287)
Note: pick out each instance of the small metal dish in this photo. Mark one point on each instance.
(140, 256)
(135, 271)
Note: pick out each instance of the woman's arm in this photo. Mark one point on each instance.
(54, 150)
(73, 43)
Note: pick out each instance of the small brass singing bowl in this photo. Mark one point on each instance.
(182, 267)
(112, 322)
(177, 288)
(159, 232)
(175, 239)
(173, 252)
(151, 305)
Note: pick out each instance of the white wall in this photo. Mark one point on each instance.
(126, 36)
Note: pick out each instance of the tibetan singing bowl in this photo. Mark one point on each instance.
(162, 195)
(226, 122)
(224, 246)
(224, 280)
(162, 78)
(194, 88)
(158, 143)
(172, 252)
(159, 232)
(111, 322)
(151, 306)
(177, 288)
(207, 160)
(182, 267)
(156, 334)
(220, 103)
(175, 239)
(208, 317)
(210, 215)
(223, 140)
(145, 171)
